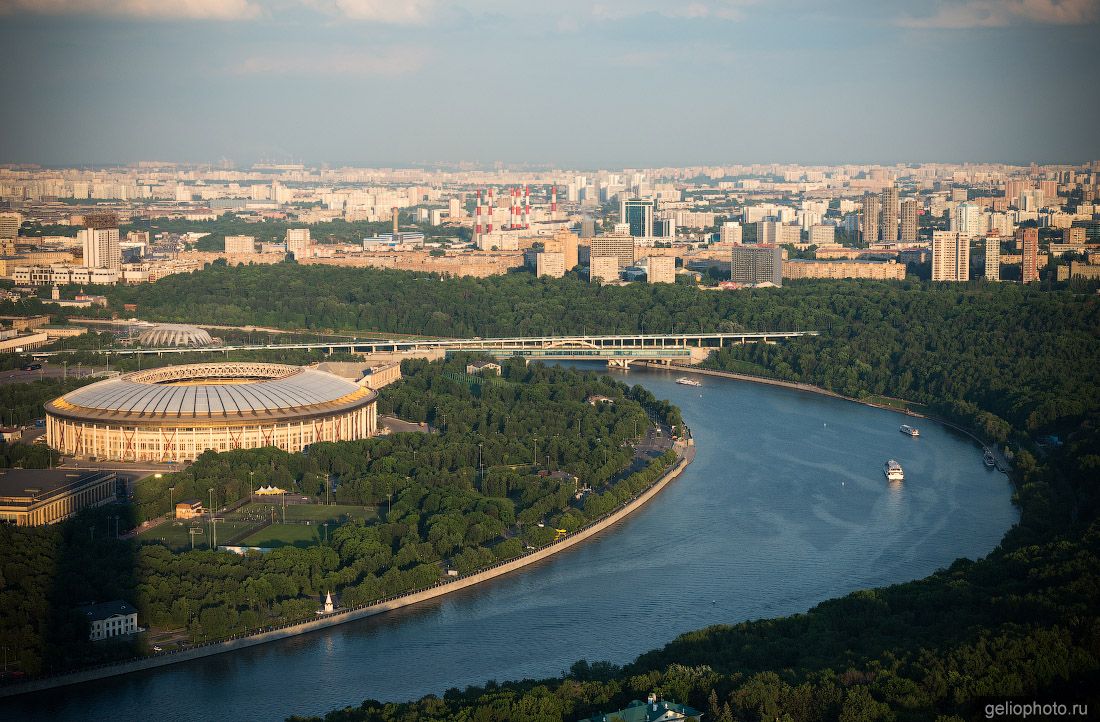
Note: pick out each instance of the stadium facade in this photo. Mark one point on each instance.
(177, 412)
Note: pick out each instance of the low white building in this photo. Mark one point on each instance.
(110, 619)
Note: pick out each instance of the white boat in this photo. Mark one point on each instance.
(910, 430)
(685, 381)
(893, 471)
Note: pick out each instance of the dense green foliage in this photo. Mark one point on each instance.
(994, 356)
(1023, 621)
(437, 509)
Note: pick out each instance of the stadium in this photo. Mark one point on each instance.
(177, 412)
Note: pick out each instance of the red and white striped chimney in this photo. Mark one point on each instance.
(526, 206)
(554, 198)
(489, 223)
(477, 228)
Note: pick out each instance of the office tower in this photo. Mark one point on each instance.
(240, 244)
(889, 219)
(298, 242)
(950, 256)
(753, 265)
(9, 224)
(968, 220)
(872, 209)
(550, 264)
(638, 212)
(731, 233)
(617, 245)
(605, 269)
(100, 241)
(822, 234)
(910, 228)
(1029, 258)
(661, 269)
(993, 258)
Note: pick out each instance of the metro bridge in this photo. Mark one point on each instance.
(617, 350)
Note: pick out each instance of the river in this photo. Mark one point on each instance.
(785, 506)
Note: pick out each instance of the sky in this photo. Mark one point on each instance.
(569, 84)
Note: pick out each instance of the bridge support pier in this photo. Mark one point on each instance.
(619, 363)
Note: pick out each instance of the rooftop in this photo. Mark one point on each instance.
(31, 484)
(106, 610)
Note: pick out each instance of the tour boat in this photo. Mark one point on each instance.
(893, 471)
(988, 459)
(685, 381)
(910, 430)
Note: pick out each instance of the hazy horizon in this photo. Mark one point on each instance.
(620, 83)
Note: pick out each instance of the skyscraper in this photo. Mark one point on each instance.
(1029, 258)
(993, 258)
(889, 220)
(910, 227)
(100, 241)
(950, 256)
(9, 224)
(298, 242)
(756, 264)
(872, 210)
(638, 212)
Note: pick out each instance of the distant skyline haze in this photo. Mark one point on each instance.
(616, 83)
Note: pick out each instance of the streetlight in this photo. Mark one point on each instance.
(171, 497)
(250, 473)
(480, 466)
(213, 527)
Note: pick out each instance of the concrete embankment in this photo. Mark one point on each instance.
(686, 455)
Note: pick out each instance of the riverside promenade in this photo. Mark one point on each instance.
(685, 451)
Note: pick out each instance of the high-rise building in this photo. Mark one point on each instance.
(603, 268)
(616, 245)
(1029, 250)
(731, 233)
(1014, 188)
(993, 258)
(240, 244)
(969, 220)
(9, 224)
(950, 256)
(100, 241)
(588, 227)
(661, 269)
(872, 210)
(566, 243)
(550, 264)
(638, 212)
(888, 223)
(910, 228)
(298, 242)
(757, 264)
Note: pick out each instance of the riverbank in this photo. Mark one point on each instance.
(1003, 465)
(685, 455)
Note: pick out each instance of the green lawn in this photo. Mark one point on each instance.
(305, 512)
(175, 534)
(278, 535)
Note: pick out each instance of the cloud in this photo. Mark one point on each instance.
(384, 62)
(395, 12)
(1002, 13)
(143, 9)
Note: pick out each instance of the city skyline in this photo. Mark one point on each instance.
(618, 84)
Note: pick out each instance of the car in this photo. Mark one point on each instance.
(32, 367)
(157, 649)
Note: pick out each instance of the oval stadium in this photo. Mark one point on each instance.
(177, 412)
(175, 335)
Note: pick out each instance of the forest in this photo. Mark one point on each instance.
(438, 508)
(995, 356)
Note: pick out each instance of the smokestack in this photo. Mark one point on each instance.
(477, 231)
(394, 211)
(554, 198)
(526, 206)
(489, 223)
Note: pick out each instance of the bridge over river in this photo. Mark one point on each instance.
(617, 350)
